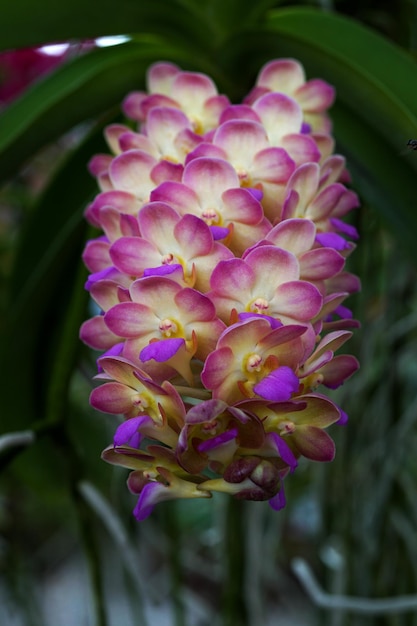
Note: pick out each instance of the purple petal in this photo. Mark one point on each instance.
(147, 500)
(128, 432)
(279, 385)
(258, 194)
(305, 128)
(274, 323)
(205, 411)
(161, 350)
(219, 232)
(115, 350)
(314, 443)
(214, 442)
(344, 418)
(343, 312)
(162, 270)
(342, 227)
(278, 501)
(332, 240)
(284, 451)
(101, 274)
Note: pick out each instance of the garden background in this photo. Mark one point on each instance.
(70, 550)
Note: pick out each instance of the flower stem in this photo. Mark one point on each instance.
(235, 612)
(173, 531)
(200, 394)
(93, 558)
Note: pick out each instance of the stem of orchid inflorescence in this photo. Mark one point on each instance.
(189, 392)
(173, 531)
(235, 612)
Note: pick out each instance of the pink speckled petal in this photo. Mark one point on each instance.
(315, 96)
(132, 255)
(177, 195)
(97, 335)
(280, 115)
(112, 397)
(272, 165)
(301, 148)
(209, 178)
(241, 140)
(191, 89)
(99, 164)
(239, 112)
(96, 255)
(157, 221)
(297, 300)
(304, 181)
(136, 141)
(324, 203)
(283, 75)
(279, 265)
(123, 201)
(194, 236)
(232, 276)
(163, 125)
(338, 370)
(320, 264)
(112, 134)
(217, 367)
(130, 319)
(130, 171)
(160, 77)
(242, 207)
(295, 235)
(132, 105)
(314, 443)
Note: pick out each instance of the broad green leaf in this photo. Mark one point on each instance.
(378, 107)
(47, 300)
(372, 75)
(78, 91)
(384, 178)
(66, 21)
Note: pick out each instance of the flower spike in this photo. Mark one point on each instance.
(218, 283)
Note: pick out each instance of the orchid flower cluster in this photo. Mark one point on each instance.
(220, 281)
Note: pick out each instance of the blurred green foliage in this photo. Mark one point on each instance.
(363, 505)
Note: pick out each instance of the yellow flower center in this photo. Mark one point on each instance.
(286, 427)
(260, 305)
(254, 363)
(140, 402)
(211, 217)
(167, 259)
(168, 327)
(210, 428)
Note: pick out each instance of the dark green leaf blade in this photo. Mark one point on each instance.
(80, 20)
(76, 92)
(42, 288)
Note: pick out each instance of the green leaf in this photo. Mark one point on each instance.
(66, 21)
(80, 90)
(384, 178)
(372, 75)
(40, 337)
(376, 111)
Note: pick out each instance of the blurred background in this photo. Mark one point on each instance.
(71, 552)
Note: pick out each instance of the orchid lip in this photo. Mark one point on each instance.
(162, 350)
(225, 437)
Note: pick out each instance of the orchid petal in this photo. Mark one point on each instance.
(278, 386)
(127, 433)
(161, 351)
(284, 450)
